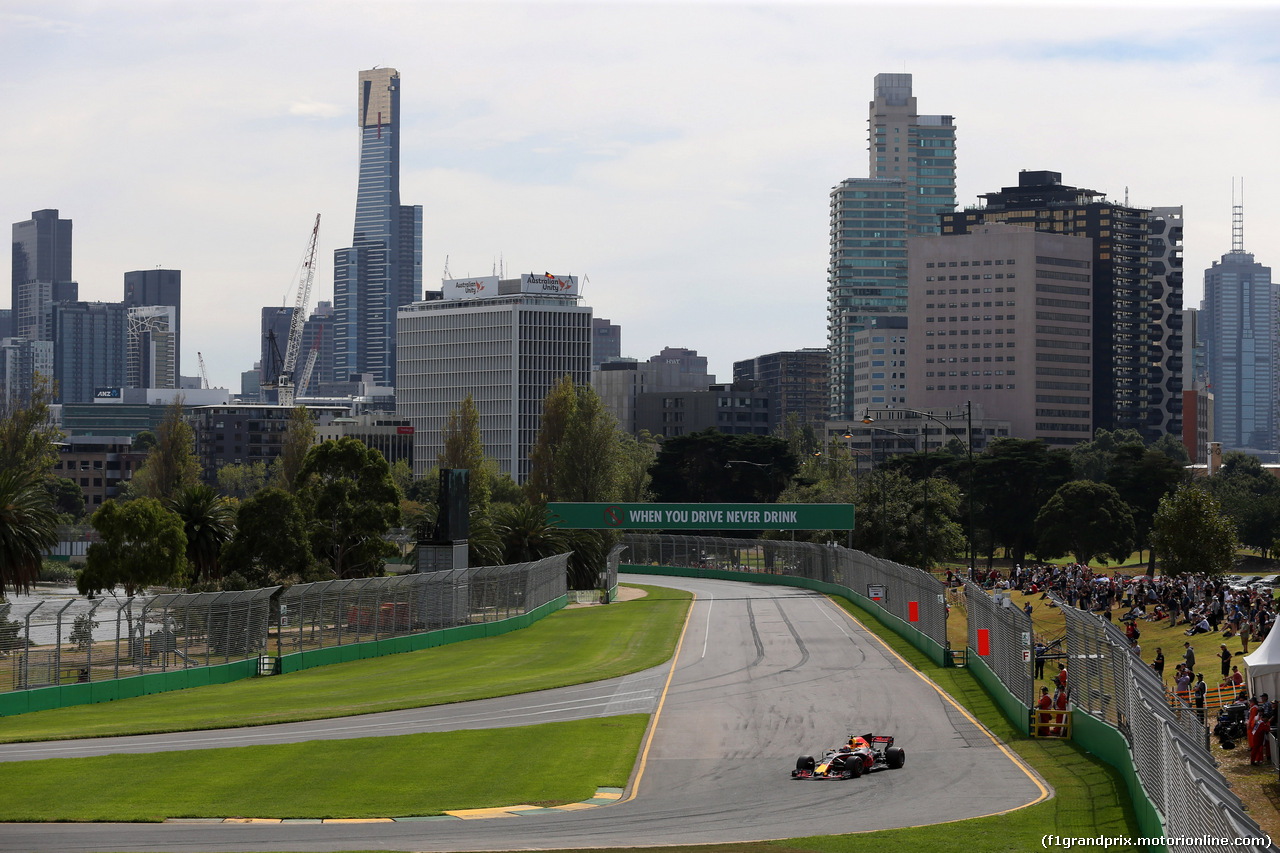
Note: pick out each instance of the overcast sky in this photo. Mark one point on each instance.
(678, 155)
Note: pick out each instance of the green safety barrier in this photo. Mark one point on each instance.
(1009, 704)
(1107, 744)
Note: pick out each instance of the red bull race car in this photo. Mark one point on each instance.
(861, 754)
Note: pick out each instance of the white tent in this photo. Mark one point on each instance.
(1264, 666)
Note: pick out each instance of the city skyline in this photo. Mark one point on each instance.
(678, 158)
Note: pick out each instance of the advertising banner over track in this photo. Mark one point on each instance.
(635, 516)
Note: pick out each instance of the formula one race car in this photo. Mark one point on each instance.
(860, 755)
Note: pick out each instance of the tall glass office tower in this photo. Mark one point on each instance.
(912, 180)
(382, 269)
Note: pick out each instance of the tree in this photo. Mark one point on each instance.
(352, 502)
(299, 438)
(1251, 497)
(402, 476)
(28, 438)
(82, 631)
(242, 479)
(171, 465)
(1142, 478)
(1190, 534)
(526, 535)
(1171, 446)
(636, 455)
(66, 495)
(28, 527)
(270, 544)
(1012, 480)
(587, 459)
(1085, 519)
(557, 409)
(142, 544)
(208, 522)
(714, 467)
(1091, 460)
(463, 449)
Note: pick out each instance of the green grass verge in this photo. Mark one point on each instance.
(569, 647)
(406, 775)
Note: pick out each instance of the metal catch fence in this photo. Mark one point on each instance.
(334, 613)
(1169, 744)
(1001, 635)
(54, 642)
(914, 596)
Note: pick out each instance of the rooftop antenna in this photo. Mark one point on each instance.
(446, 267)
(1126, 196)
(1237, 219)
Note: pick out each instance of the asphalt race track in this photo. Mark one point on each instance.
(763, 674)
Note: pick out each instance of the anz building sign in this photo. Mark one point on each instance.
(106, 394)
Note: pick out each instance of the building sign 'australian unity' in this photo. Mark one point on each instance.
(634, 516)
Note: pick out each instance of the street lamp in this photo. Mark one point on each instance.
(973, 546)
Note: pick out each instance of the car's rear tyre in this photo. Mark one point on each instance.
(895, 757)
(805, 763)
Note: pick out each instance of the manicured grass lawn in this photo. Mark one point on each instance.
(572, 646)
(408, 775)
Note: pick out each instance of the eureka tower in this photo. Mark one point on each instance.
(382, 269)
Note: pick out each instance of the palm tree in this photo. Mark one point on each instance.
(28, 528)
(525, 534)
(209, 522)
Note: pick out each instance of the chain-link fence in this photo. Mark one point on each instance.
(54, 642)
(334, 613)
(611, 572)
(1000, 634)
(1169, 744)
(914, 596)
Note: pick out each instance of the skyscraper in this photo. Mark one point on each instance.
(150, 347)
(1136, 333)
(41, 270)
(1238, 320)
(158, 287)
(89, 343)
(912, 180)
(382, 269)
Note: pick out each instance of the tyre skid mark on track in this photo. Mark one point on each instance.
(804, 650)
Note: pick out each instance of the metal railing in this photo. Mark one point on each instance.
(898, 586)
(1169, 745)
(1008, 636)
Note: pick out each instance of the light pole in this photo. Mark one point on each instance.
(857, 473)
(973, 547)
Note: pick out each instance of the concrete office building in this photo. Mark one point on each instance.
(317, 336)
(151, 355)
(1197, 396)
(798, 381)
(741, 408)
(389, 435)
(89, 344)
(505, 343)
(238, 434)
(1238, 321)
(99, 464)
(619, 383)
(1137, 293)
(880, 363)
(159, 287)
(912, 180)
(606, 341)
(382, 269)
(41, 271)
(1003, 317)
(20, 361)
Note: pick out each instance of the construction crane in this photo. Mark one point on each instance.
(204, 374)
(305, 379)
(283, 382)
